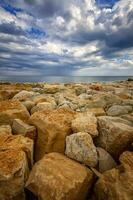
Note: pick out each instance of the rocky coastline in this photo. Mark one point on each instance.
(70, 141)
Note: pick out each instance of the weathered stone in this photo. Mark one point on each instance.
(80, 147)
(53, 127)
(16, 157)
(117, 183)
(105, 160)
(13, 174)
(28, 104)
(19, 127)
(12, 109)
(17, 142)
(115, 135)
(23, 95)
(5, 129)
(85, 122)
(56, 177)
(97, 111)
(42, 106)
(117, 110)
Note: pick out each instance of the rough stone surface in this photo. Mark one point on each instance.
(80, 147)
(16, 157)
(117, 183)
(42, 106)
(105, 160)
(28, 104)
(23, 95)
(56, 177)
(115, 135)
(12, 109)
(5, 129)
(97, 111)
(19, 127)
(53, 127)
(85, 122)
(117, 110)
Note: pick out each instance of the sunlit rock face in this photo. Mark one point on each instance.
(56, 174)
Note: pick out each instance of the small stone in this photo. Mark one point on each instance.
(80, 147)
(19, 127)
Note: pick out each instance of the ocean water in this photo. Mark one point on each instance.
(63, 79)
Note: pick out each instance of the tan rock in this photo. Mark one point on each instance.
(17, 142)
(12, 109)
(54, 178)
(28, 104)
(85, 122)
(5, 129)
(117, 110)
(80, 147)
(42, 106)
(20, 127)
(115, 135)
(117, 183)
(16, 157)
(24, 95)
(13, 174)
(105, 160)
(97, 111)
(53, 127)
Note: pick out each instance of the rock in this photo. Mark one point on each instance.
(54, 178)
(85, 122)
(115, 135)
(53, 88)
(80, 147)
(19, 127)
(5, 129)
(117, 110)
(44, 98)
(28, 104)
(13, 174)
(105, 160)
(7, 94)
(97, 111)
(12, 109)
(17, 142)
(16, 158)
(42, 106)
(117, 183)
(53, 127)
(23, 95)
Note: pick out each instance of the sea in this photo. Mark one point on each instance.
(63, 79)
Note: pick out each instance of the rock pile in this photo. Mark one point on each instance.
(66, 141)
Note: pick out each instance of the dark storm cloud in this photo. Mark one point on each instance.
(11, 28)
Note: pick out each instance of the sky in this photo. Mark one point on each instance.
(66, 37)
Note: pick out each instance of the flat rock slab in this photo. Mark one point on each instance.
(56, 177)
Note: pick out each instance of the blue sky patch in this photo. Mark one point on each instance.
(106, 3)
(10, 8)
(35, 32)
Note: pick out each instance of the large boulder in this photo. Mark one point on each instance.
(53, 127)
(117, 183)
(56, 177)
(16, 158)
(85, 122)
(42, 106)
(115, 135)
(12, 109)
(117, 110)
(105, 160)
(80, 147)
(24, 95)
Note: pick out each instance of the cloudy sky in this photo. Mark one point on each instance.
(66, 37)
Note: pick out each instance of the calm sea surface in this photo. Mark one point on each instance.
(63, 79)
